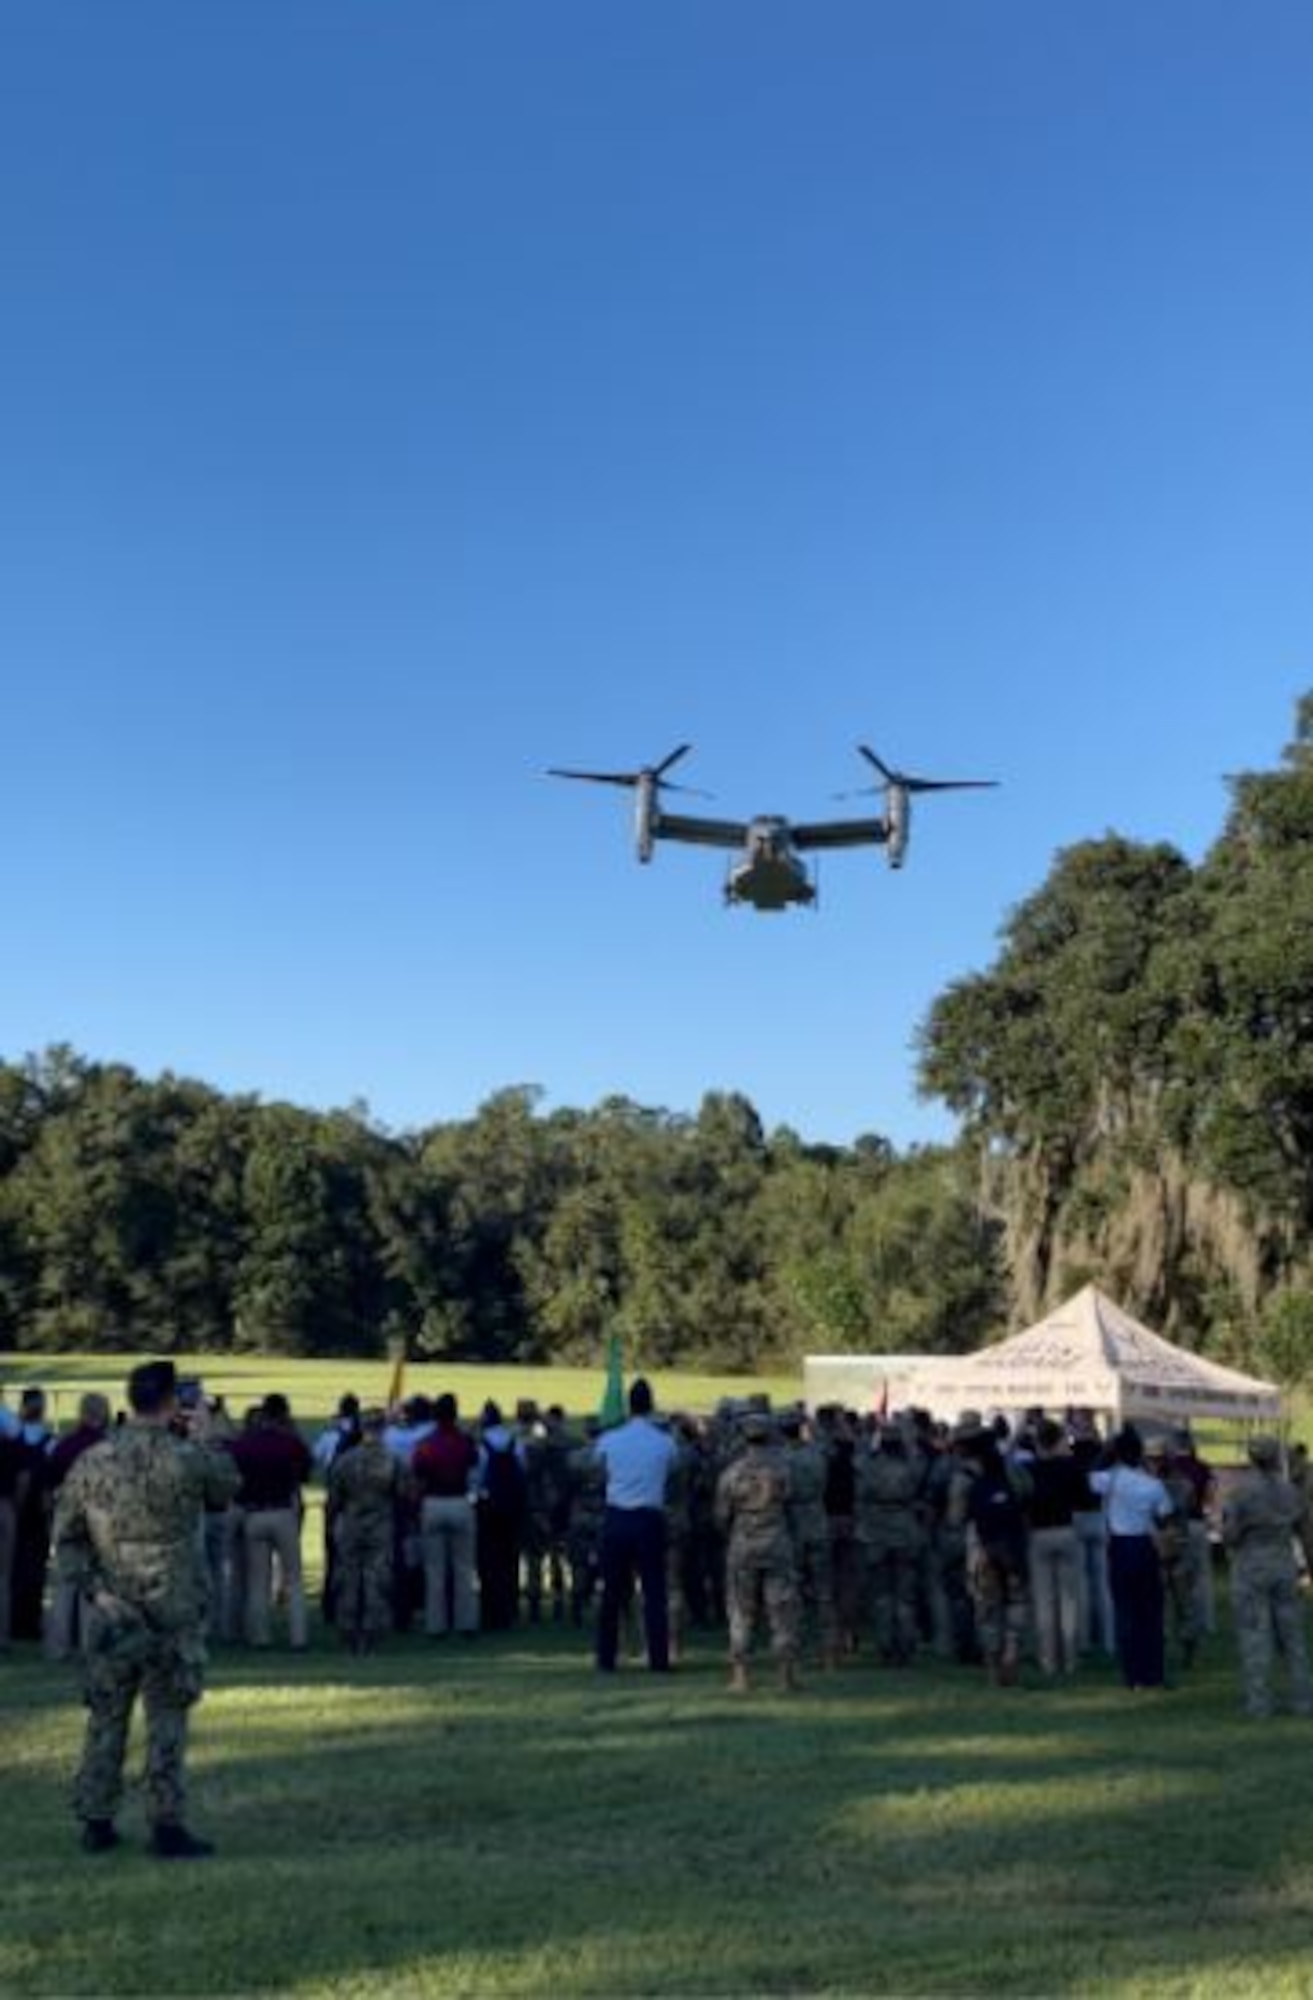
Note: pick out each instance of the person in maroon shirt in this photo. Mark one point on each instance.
(64, 1618)
(92, 1425)
(444, 1473)
(275, 1463)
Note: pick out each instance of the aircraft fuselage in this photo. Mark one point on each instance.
(771, 875)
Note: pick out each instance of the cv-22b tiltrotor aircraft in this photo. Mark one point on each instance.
(770, 872)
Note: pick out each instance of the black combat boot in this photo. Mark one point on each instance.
(172, 1842)
(98, 1836)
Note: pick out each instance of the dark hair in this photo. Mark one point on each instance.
(1128, 1446)
(349, 1405)
(445, 1409)
(640, 1398)
(491, 1412)
(276, 1408)
(1048, 1435)
(152, 1386)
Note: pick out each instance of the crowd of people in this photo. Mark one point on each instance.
(894, 1535)
(831, 1534)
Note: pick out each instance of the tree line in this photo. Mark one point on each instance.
(161, 1213)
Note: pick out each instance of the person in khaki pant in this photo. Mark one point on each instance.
(275, 1464)
(1059, 1490)
(444, 1473)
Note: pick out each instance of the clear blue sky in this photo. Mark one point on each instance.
(397, 399)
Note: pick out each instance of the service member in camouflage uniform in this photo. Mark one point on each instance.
(891, 1535)
(544, 1449)
(989, 1506)
(558, 1444)
(952, 1613)
(705, 1566)
(363, 1486)
(1259, 1519)
(587, 1510)
(753, 1505)
(679, 1521)
(129, 1537)
(225, 1552)
(1175, 1554)
(1300, 1474)
(808, 1470)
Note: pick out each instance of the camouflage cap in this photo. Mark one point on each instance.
(1265, 1451)
(1157, 1447)
(969, 1427)
(756, 1427)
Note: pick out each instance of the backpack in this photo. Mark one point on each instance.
(840, 1482)
(503, 1479)
(995, 1512)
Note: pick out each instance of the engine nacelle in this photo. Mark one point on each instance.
(645, 815)
(898, 818)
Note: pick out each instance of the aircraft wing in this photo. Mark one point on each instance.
(701, 832)
(840, 833)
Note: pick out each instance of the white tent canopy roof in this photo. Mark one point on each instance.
(1090, 1354)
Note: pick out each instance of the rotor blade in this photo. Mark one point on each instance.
(659, 770)
(948, 784)
(878, 763)
(691, 791)
(596, 777)
(911, 784)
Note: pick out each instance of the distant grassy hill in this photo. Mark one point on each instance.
(315, 1386)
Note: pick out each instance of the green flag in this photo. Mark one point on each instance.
(612, 1410)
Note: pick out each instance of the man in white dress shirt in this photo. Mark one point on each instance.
(638, 1457)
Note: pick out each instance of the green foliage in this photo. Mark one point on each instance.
(1138, 1062)
(1285, 1339)
(162, 1214)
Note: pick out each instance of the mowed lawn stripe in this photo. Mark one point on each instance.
(487, 1818)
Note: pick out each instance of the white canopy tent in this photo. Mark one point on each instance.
(1089, 1354)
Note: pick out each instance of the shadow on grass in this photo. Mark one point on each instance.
(492, 1817)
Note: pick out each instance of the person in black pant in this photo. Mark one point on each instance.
(1135, 1504)
(638, 1457)
(500, 1531)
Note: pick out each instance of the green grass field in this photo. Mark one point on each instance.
(485, 1818)
(314, 1386)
